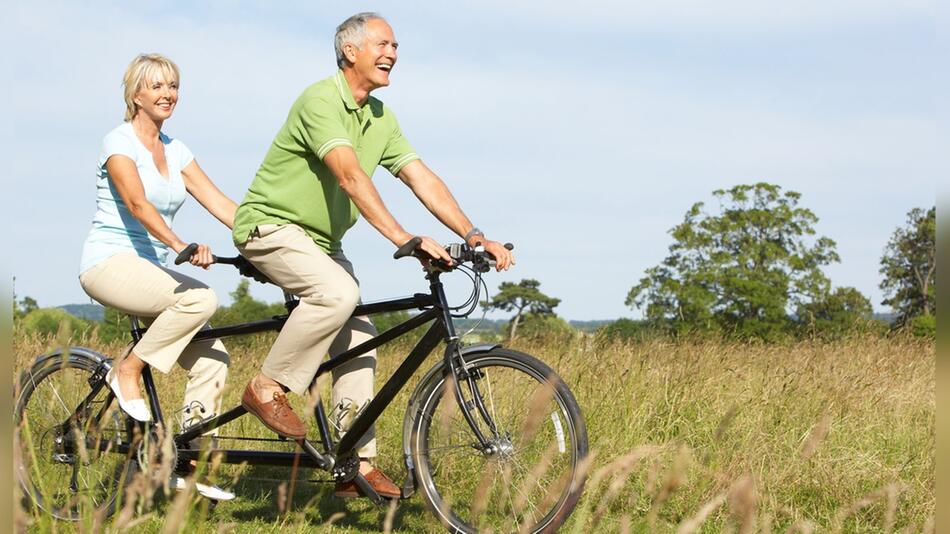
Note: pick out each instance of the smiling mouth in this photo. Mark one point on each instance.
(384, 67)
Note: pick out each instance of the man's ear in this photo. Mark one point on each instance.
(349, 52)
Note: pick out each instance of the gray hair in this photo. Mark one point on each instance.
(352, 32)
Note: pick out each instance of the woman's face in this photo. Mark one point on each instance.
(157, 98)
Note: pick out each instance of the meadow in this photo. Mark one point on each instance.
(687, 436)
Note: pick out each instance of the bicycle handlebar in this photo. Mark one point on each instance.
(459, 252)
(481, 260)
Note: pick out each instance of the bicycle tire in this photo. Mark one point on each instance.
(509, 490)
(69, 484)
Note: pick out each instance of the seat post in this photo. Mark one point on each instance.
(134, 322)
(290, 301)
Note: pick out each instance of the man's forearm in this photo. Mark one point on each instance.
(436, 197)
(363, 193)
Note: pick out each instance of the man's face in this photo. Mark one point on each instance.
(377, 56)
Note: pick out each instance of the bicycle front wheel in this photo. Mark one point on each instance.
(72, 443)
(529, 477)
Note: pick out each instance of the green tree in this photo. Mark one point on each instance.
(836, 313)
(387, 320)
(245, 308)
(909, 266)
(24, 307)
(114, 326)
(525, 296)
(740, 269)
(543, 326)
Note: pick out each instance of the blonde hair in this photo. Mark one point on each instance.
(143, 69)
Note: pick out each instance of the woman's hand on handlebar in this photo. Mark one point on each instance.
(200, 257)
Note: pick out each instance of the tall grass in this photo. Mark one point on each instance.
(686, 436)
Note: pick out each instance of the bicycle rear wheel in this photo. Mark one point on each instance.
(529, 479)
(72, 443)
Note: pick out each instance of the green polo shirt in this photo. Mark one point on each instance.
(293, 185)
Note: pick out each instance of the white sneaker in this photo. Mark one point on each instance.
(136, 408)
(178, 483)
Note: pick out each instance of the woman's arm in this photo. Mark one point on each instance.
(125, 177)
(207, 194)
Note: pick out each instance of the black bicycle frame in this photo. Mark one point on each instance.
(435, 310)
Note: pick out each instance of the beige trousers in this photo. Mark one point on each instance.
(321, 322)
(175, 307)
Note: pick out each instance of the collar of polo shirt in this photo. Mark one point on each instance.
(345, 92)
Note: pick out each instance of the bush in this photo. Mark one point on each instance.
(541, 326)
(923, 326)
(49, 321)
(627, 330)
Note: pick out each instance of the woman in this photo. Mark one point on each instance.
(142, 178)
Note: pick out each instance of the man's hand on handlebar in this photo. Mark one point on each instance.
(503, 256)
(433, 250)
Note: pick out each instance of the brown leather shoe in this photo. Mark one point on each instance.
(386, 488)
(276, 415)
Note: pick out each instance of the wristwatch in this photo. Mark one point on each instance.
(473, 232)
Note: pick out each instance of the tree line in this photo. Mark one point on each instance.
(751, 267)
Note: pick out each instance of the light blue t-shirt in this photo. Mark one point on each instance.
(114, 229)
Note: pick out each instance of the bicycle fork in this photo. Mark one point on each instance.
(455, 362)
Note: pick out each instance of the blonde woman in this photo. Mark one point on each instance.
(143, 176)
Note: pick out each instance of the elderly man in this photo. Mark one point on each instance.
(311, 187)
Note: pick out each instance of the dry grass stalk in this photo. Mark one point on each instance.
(336, 516)
(816, 436)
(725, 422)
(625, 524)
(869, 499)
(480, 499)
(619, 470)
(532, 478)
(693, 523)
(672, 482)
(390, 516)
(893, 492)
(802, 525)
(225, 528)
(282, 497)
(536, 410)
(743, 504)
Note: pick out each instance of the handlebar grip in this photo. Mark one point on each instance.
(186, 254)
(189, 251)
(407, 248)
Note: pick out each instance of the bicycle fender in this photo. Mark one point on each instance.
(74, 354)
(81, 352)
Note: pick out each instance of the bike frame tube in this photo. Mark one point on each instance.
(389, 390)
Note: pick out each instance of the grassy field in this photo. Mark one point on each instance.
(687, 436)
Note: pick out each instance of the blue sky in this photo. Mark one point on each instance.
(582, 132)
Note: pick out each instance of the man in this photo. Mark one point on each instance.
(313, 184)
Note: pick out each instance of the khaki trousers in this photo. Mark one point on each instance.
(321, 322)
(175, 307)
